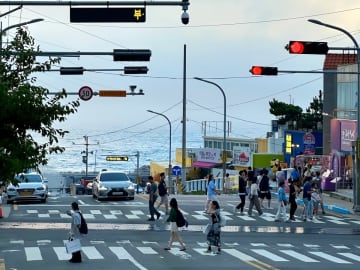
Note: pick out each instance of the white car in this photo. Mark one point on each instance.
(27, 187)
(113, 185)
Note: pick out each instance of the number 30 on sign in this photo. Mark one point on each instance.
(85, 93)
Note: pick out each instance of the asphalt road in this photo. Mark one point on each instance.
(120, 236)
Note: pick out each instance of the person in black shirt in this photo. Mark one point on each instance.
(242, 191)
(264, 187)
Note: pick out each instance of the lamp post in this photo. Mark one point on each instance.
(170, 167)
(224, 138)
(356, 188)
(16, 25)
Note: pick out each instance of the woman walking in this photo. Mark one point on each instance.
(213, 237)
(294, 190)
(75, 230)
(174, 231)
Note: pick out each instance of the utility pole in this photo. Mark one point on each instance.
(86, 152)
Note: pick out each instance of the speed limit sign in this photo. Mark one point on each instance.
(85, 93)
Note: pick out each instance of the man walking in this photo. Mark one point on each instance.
(253, 196)
(281, 212)
(163, 193)
(153, 194)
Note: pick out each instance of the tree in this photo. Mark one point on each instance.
(291, 113)
(27, 109)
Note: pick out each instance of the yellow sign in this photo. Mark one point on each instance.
(117, 158)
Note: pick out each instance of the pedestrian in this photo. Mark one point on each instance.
(174, 230)
(282, 202)
(264, 187)
(227, 184)
(153, 194)
(317, 181)
(163, 193)
(75, 230)
(315, 199)
(294, 190)
(242, 191)
(308, 209)
(213, 237)
(211, 192)
(253, 196)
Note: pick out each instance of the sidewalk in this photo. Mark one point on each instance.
(340, 201)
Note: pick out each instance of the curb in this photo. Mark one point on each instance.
(331, 207)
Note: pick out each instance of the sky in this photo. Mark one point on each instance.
(223, 40)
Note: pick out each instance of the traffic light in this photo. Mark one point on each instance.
(307, 47)
(258, 70)
(132, 55)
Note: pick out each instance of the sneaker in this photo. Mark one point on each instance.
(167, 248)
(292, 218)
(208, 250)
(158, 216)
(183, 249)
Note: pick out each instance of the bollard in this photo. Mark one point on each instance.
(2, 264)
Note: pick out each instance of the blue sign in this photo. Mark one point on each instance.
(176, 170)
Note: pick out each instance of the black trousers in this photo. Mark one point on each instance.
(242, 203)
(293, 207)
(76, 256)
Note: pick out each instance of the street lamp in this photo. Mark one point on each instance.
(170, 167)
(224, 139)
(16, 25)
(356, 206)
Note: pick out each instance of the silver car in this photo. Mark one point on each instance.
(113, 185)
(27, 187)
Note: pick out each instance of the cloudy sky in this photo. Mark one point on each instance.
(224, 39)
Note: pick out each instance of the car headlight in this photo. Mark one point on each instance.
(131, 187)
(11, 189)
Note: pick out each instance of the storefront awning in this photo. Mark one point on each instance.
(203, 164)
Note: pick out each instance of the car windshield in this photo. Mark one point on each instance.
(29, 178)
(107, 177)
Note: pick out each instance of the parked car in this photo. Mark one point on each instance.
(27, 187)
(113, 185)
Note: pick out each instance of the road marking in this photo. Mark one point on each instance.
(92, 253)
(122, 254)
(110, 217)
(137, 212)
(43, 242)
(329, 257)
(340, 247)
(200, 217)
(132, 216)
(43, 215)
(248, 259)
(247, 218)
(33, 254)
(298, 256)
(61, 253)
(269, 255)
(202, 251)
(32, 211)
(88, 216)
(95, 212)
(147, 250)
(54, 211)
(351, 256)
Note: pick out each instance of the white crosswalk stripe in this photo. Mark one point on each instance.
(96, 250)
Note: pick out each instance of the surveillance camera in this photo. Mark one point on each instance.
(185, 17)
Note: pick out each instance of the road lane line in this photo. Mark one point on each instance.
(351, 256)
(33, 254)
(92, 253)
(61, 253)
(269, 255)
(329, 257)
(122, 254)
(248, 259)
(298, 256)
(147, 250)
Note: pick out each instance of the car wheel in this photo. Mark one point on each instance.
(131, 198)
(43, 200)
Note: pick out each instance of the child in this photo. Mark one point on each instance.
(315, 199)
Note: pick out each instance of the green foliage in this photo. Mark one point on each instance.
(26, 109)
(291, 113)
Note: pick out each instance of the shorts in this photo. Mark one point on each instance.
(173, 227)
(164, 199)
(265, 194)
(211, 197)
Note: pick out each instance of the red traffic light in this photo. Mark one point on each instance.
(259, 70)
(307, 47)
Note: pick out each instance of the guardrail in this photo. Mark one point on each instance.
(200, 185)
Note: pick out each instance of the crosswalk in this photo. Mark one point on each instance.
(308, 253)
(95, 214)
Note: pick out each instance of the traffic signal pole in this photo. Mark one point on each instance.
(356, 184)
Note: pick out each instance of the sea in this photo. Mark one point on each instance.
(149, 145)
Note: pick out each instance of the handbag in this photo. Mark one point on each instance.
(72, 246)
(207, 229)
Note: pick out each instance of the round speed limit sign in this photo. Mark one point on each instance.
(85, 93)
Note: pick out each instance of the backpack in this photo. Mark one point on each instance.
(83, 226)
(222, 220)
(180, 220)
